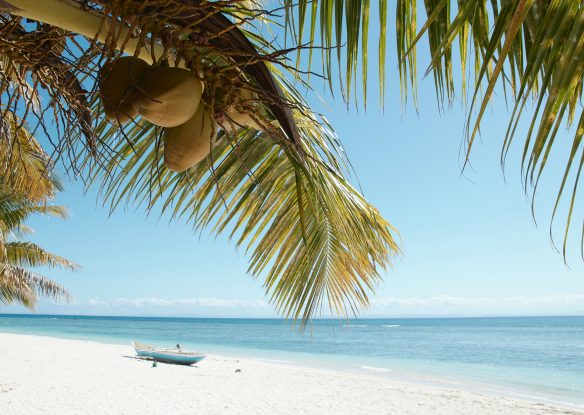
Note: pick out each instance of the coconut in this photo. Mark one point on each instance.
(189, 143)
(169, 96)
(118, 87)
(236, 118)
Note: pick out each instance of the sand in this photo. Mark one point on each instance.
(45, 375)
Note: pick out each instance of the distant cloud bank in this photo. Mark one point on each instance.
(440, 305)
(553, 304)
(449, 301)
(437, 305)
(154, 302)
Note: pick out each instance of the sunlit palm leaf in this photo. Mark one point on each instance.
(14, 289)
(24, 167)
(27, 254)
(15, 209)
(344, 27)
(21, 285)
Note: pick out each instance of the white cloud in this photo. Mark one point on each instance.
(436, 305)
(180, 302)
(450, 301)
(96, 302)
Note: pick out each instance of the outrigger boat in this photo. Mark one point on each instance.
(176, 355)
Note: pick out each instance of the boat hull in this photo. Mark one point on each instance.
(175, 356)
(170, 357)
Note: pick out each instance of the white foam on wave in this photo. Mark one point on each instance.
(355, 325)
(376, 369)
(390, 325)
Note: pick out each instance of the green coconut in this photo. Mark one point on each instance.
(118, 83)
(169, 97)
(189, 143)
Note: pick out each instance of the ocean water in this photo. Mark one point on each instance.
(534, 358)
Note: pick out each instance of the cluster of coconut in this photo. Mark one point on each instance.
(167, 97)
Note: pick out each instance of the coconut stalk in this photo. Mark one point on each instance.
(68, 16)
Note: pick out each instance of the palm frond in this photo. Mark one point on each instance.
(15, 209)
(24, 166)
(531, 49)
(14, 290)
(528, 49)
(17, 284)
(21, 285)
(312, 237)
(27, 254)
(343, 31)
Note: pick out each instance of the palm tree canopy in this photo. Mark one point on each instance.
(26, 183)
(17, 283)
(281, 188)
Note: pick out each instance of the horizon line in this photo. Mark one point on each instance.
(403, 316)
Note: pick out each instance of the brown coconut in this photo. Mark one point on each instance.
(235, 119)
(169, 96)
(118, 83)
(189, 143)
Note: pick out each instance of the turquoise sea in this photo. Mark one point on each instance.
(534, 358)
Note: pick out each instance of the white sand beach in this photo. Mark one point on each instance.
(45, 375)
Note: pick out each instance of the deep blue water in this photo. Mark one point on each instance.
(531, 357)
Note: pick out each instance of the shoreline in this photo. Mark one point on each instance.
(46, 365)
(402, 375)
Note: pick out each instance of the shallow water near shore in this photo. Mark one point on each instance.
(534, 358)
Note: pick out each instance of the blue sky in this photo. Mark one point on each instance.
(470, 243)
